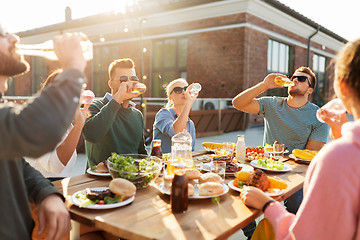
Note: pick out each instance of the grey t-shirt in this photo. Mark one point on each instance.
(291, 126)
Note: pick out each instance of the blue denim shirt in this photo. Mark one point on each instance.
(164, 128)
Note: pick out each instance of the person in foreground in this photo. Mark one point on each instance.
(32, 130)
(330, 209)
(114, 124)
(59, 163)
(174, 117)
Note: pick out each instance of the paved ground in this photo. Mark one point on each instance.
(253, 137)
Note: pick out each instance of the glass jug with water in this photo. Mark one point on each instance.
(181, 155)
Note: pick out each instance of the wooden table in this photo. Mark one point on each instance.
(150, 216)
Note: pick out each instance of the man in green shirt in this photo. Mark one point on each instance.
(115, 125)
(32, 130)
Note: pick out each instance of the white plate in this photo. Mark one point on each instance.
(299, 159)
(286, 168)
(167, 191)
(89, 171)
(96, 206)
(245, 168)
(277, 193)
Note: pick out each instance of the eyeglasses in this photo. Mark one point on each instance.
(128, 78)
(179, 90)
(300, 79)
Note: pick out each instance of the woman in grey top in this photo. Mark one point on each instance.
(174, 117)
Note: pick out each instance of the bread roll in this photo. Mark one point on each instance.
(192, 173)
(122, 187)
(210, 188)
(210, 177)
(101, 168)
(190, 189)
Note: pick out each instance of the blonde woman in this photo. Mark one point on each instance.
(174, 117)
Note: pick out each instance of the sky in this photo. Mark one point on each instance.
(340, 17)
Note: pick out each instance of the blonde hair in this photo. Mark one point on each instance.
(170, 87)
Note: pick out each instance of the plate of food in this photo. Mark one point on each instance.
(258, 179)
(200, 186)
(231, 168)
(99, 170)
(119, 193)
(268, 164)
(303, 156)
(270, 192)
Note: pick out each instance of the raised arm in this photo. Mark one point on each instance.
(246, 100)
(66, 149)
(180, 122)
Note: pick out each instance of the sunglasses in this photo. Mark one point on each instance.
(128, 78)
(300, 79)
(179, 90)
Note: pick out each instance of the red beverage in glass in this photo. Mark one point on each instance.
(156, 149)
(179, 191)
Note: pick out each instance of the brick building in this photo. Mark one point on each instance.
(226, 45)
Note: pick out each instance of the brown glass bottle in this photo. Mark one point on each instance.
(179, 191)
(156, 149)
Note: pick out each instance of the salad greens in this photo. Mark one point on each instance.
(270, 164)
(138, 171)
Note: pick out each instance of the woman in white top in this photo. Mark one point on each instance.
(60, 162)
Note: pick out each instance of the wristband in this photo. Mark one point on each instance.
(267, 204)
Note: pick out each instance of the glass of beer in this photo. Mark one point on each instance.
(282, 81)
(139, 88)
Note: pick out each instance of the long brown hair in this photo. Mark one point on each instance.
(50, 78)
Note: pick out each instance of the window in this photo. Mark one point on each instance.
(39, 72)
(169, 62)
(319, 68)
(278, 62)
(103, 56)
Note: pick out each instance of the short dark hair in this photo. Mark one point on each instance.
(309, 72)
(120, 63)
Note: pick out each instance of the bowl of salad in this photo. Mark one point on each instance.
(139, 169)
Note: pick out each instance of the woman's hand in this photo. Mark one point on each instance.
(191, 95)
(254, 197)
(335, 122)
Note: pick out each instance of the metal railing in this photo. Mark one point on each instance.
(200, 104)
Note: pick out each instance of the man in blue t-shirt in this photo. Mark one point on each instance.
(289, 120)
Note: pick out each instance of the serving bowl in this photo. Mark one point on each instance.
(139, 169)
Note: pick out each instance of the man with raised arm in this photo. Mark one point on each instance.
(32, 130)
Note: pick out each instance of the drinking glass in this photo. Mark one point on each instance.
(139, 88)
(219, 167)
(334, 109)
(87, 96)
(278, 150)
(228, 148)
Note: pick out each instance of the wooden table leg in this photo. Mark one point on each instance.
(75, 230)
